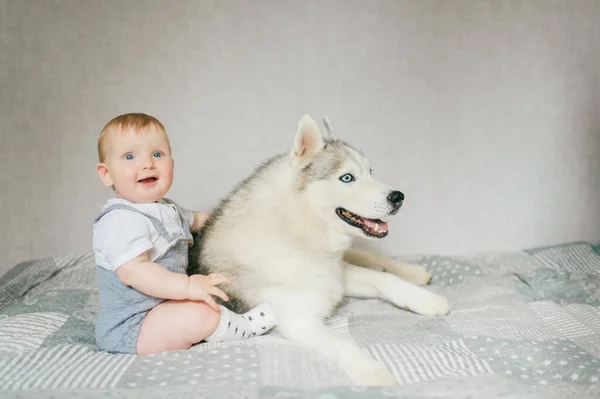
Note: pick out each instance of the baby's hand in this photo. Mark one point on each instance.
(200, 219)
(201, 288)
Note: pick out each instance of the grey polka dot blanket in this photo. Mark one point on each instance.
(524, 324)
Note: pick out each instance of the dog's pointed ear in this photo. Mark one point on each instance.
(308, 142)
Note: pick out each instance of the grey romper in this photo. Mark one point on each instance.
(122, 309)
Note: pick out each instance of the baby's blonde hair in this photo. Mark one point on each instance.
(138, 122)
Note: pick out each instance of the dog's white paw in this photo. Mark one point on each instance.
(361, 368)
(415, 274)
(377, 375)
(431, 304)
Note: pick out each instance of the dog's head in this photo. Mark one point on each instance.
(337, 182)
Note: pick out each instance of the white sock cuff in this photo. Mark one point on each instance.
(222, 328)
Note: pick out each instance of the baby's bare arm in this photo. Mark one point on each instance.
(154, 280)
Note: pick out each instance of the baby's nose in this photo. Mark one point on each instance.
(149, 163)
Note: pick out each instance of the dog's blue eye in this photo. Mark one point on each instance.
(347, 178)
(157, 154)
(129, 157)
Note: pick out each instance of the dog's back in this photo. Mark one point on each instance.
(224, 244)
(256, 233)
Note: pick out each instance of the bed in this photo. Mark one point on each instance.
(524, 324)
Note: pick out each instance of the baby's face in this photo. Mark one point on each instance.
(138, 166)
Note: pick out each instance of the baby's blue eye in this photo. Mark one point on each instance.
(157, 154)
(347, 178)
(129, 157)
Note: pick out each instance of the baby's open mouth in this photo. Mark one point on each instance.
(371, 227)
(148, 180)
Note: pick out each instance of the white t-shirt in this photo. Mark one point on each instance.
(122, 235)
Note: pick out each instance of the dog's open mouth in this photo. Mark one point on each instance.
(371, 227)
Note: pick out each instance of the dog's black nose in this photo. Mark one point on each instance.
(395, 198)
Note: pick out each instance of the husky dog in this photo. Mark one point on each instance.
(284, 237)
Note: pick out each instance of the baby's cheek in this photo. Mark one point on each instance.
(169, 171)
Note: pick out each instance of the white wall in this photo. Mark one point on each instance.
(485, 114)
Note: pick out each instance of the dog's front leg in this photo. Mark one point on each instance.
(363, 282)
(372, 260)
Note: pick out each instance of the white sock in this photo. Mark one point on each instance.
(261, 318)
(233, 326)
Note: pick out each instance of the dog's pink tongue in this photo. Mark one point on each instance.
(372, 224)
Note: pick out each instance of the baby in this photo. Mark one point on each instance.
(147, 302)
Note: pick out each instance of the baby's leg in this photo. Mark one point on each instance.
(174, 325)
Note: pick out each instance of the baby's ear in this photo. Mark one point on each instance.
(104, 174)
